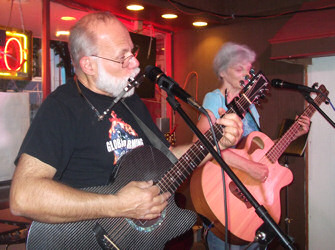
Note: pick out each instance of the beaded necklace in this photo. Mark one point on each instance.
(131, 83)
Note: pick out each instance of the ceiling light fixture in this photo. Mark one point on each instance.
(169, 16)
(62, 33)
(135, 7)
(199, 24)
(68, 18)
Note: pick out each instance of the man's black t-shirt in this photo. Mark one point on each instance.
(67, 135)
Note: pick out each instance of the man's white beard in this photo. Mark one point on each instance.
(114, 85)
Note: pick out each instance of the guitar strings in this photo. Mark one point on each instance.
(277, 149)
(111, 242)
(180, 168)
(123, 228)
(187, 161)
(309, 111)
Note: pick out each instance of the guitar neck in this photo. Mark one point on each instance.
(197, 152)
(280, 146)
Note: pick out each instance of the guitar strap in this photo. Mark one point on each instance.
(248, 110)
(153, 138)
(253, 118)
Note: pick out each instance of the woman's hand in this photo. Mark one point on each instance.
(304, 123)
(232, 131)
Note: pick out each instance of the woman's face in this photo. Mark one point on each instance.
(235, 73)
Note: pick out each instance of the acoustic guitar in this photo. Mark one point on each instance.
(206, 184)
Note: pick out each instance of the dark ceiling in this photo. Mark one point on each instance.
(215, 12)
(27, 14)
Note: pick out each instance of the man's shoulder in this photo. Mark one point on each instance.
(65, 93)
(68, 88)
(65, 97)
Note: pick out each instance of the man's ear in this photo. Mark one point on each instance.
(88, 65)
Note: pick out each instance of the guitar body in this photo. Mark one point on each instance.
(141, 164)
(207, 192)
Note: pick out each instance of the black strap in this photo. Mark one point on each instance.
(153, 138)
(253, 118)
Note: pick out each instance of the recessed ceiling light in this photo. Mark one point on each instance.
(135, 7)
(62, 33)
(199, 24)
(169, 16)
(68, 18)
(21, 1)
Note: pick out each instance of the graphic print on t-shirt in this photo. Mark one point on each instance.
(123, 137)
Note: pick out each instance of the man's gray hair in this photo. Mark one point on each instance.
(82, 39)
(230, 54)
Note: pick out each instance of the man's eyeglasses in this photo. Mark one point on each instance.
(125, 62)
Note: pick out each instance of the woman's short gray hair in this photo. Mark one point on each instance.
(82, 39)
(230, 54)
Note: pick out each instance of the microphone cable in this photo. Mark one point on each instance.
(223, 176)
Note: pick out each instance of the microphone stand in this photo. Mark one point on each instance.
(269, 224)
(311, 101)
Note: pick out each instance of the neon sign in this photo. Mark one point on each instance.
(15, 55)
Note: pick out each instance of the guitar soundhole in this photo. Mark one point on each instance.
(147, 225)
(239, 195)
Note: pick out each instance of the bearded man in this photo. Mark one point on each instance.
(78, 135)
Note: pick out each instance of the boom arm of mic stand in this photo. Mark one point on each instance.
(260, 210)
(311, 101)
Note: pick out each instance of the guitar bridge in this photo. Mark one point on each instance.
(102, 238)
(239, 195)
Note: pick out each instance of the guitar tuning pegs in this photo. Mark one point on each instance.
(315, 85)
(252, 72)
(242, 83)
(265, 89)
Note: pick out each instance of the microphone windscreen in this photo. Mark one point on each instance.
(276, 83)
(152, 72)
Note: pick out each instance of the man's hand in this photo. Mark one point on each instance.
(141, 200)
(232, 131)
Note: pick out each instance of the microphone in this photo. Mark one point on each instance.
(166, 83)
(278, 83)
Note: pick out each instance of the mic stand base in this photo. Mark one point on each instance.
(264, 235)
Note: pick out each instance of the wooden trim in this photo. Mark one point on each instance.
(306, 173)
(303, 48)
(46, 78)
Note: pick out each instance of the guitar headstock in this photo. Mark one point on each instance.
(256, 88)
(252, 92)
(323, 92)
